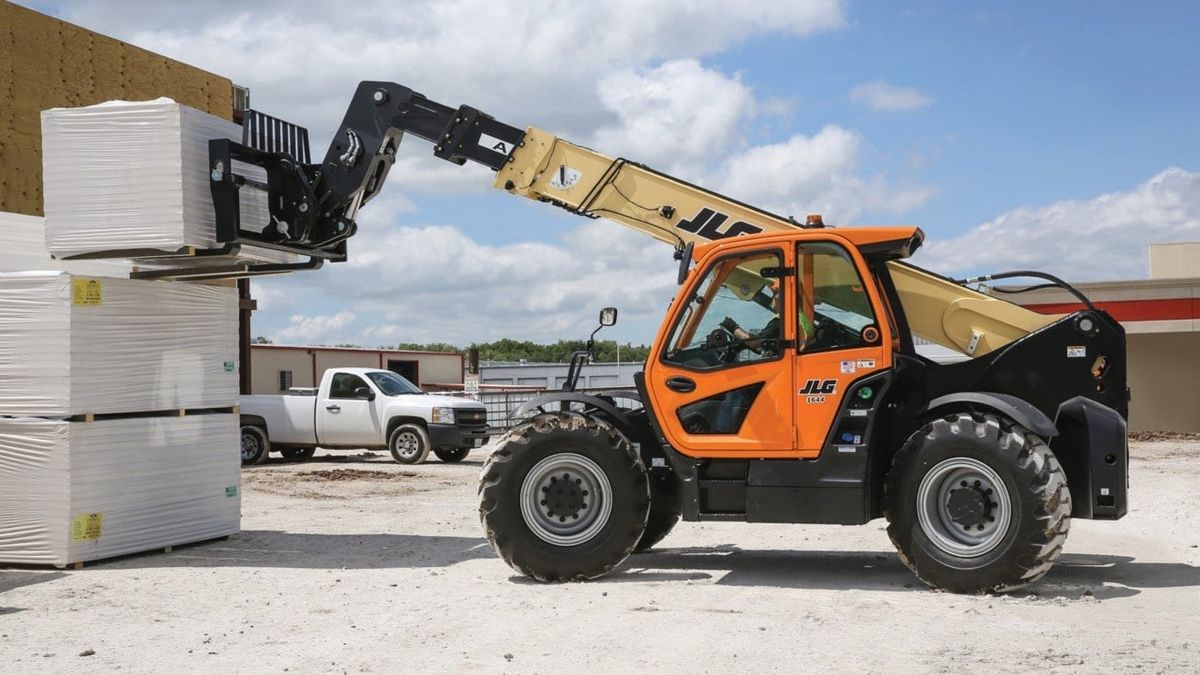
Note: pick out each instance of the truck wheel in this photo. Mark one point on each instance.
(977, 503)
(563, 497)
(255, 445)
(451, 455)
(409, 444)
(298, 454)
(664, 512)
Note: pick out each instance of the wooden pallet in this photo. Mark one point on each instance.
(88, 418)
(79, 564)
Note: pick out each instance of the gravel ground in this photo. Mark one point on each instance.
(351, 563)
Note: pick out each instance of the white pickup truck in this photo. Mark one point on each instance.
(362, 408)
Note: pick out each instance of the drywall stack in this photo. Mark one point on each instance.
(118, 397)
(117, 424)
(132, 176)
(118, 430)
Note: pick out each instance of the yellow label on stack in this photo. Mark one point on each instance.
(87, 526)
(86, 292)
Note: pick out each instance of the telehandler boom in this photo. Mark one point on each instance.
(783, 385)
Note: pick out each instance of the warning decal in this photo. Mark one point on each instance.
(88, 526)
(86, 292)
(565, 177)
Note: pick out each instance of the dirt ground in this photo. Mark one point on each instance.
(351, 563)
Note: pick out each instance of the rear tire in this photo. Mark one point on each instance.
(256, 447)
(298, 454)
(452, 455)
(563, 497)
(976, 504)
(409, 444)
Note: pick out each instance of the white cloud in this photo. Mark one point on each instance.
(1105, 238)
(880, 95)
(434, 283)
(677, 117)
(527, 64)
(815, 174)
(317, 329)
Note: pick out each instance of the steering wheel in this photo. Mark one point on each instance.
(829, 333)
(724, 343)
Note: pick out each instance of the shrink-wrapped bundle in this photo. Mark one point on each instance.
(23, 248)
(134, 176)
(77, 491)
(73, 345)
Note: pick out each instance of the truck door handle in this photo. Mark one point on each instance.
(681, 384)
(333, 408)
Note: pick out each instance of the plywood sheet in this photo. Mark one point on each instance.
(48, 63)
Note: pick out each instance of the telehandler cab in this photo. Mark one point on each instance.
(783, 385)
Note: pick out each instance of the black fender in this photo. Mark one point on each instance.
(1019, 411)
(617, 417)
(1093, 450)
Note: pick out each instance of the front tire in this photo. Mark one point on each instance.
(563, 497)
(256, 447)
(409, 444)
(977, 503)
(452, 455)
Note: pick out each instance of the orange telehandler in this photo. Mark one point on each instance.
(783, 386)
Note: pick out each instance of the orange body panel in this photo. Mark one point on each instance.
(782, 422)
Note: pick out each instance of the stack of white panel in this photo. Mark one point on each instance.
(72, 345)
(122, 176)
(75, 491)
(23, 247)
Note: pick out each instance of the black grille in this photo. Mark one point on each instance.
(470, 417)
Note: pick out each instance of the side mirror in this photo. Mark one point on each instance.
(608, 316)
(364, 393)
(684, 257)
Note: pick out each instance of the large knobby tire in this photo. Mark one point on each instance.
(563, 497)
(664, 511)
(452, 455)
(298, 454)
(409, 444)
(976, 503)
(256, 447)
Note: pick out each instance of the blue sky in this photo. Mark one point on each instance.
(1054, 135)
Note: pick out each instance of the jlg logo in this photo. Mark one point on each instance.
(708, 224)
(814, 390)
(819, 387)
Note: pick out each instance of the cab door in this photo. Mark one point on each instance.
(721, 378)
(841, 341)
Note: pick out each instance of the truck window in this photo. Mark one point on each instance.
(392, 384)
(344, 384)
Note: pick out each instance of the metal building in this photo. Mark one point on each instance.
(275, 368)
(552, 375)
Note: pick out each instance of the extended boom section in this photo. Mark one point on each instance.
(314, 206)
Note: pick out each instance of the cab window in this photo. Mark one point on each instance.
(344, 384)
(733, 315)
(832, 305)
